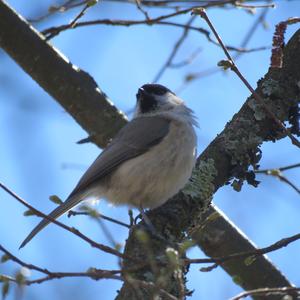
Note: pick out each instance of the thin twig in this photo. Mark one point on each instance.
(70, 229)
(230, 63)
(91, 273)
(139, 7)
(211, 71)
(293, 166)
(267, 292)
(59, 275)
(252, 30)
(278, 173)
(73, 23)
(76, 213)
(155, 21)
(186, 61)
(240, 4)
(58, 8)
(58, 29)
(22, 263)
(253, 254)
(175, 50)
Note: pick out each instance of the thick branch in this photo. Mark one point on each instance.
(73, 88)
(218, 236)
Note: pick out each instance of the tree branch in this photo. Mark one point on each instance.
(218, 236)
(92, 273)
(73, 230)
(229, 156)
(73, 88)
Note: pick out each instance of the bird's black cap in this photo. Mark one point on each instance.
(156, 89)
(146, 96)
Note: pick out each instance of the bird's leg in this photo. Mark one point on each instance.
(150, 226)
(147, 220)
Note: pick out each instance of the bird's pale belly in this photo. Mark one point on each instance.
(151, 179)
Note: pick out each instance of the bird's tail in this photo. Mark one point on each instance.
(57, 212)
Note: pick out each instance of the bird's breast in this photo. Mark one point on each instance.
(152, 178)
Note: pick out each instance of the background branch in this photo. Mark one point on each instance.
(218, 236)
(73, 88)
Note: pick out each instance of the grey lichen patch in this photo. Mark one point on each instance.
(259, 111)
(273, 94)
(271, 87)
(240, 140)
(201, 184)
(242, 143)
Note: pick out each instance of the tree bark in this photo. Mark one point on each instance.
(219, 237)
(72, 87)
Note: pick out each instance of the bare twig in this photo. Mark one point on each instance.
(91, 273)
(293, 166)
(267, 292)
(242, 50)
(53, 31)
(58, 275)
(140, 8)
(252, 254)
(71, 4)
(56, 8)
(243, 5)
(252, 30)
(72, 24)
(23, 264)
(231, 64)
(186, 61)
(58, 29)
(175, 50)
(76, 213)
(70, 229)
(94, 214)
(278, 173)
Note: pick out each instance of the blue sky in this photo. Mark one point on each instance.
(38, 142)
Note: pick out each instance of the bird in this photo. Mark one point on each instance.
(149, 160)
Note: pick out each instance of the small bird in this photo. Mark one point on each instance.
(149, 160)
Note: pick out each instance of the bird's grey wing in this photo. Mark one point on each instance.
(137, 137)
(134, 139)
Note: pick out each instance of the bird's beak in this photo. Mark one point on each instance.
(141, 91)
